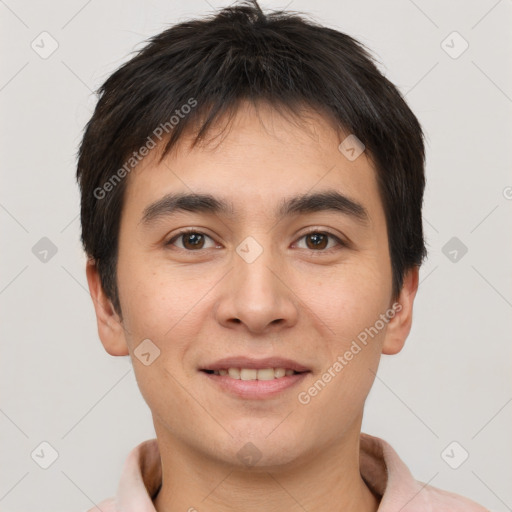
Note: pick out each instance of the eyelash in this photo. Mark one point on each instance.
(340, 242)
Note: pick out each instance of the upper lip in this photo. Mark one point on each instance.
(247, 362)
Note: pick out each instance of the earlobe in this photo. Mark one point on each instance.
(399, 327)
(110, 328)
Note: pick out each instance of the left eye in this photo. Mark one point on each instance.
(317, 240)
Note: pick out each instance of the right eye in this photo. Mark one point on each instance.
(191, 240)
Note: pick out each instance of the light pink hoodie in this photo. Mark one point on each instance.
(380, 466)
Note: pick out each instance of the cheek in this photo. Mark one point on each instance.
(349, 308)
(350, 299)
(155, 309)
(351, 352)
(153, 298)
(161, 305)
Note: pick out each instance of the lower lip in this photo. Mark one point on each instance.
(255, 389)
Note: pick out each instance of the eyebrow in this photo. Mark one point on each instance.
(329, 200)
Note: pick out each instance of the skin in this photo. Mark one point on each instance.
(295, 301)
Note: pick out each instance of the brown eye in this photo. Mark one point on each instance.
(316, 241)
(193, 241)
(190, 240)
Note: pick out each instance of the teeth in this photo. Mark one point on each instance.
(248, 374)
(266, 374)
(234, 373)
(255, 374)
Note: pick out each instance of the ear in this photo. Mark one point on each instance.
(400, 325)
(110, 328)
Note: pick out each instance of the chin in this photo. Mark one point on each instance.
(263, 448)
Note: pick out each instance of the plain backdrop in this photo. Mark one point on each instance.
(451, 383)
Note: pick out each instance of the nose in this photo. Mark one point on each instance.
(256, 295)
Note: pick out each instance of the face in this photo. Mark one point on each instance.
(266, 277)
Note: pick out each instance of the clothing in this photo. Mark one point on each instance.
(380, 467)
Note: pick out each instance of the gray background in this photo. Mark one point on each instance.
(452, 380)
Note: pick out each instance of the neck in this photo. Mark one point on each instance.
(326, 480)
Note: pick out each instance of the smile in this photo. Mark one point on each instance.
(253, 373)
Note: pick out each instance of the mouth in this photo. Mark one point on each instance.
(253, 373)
(252, 379)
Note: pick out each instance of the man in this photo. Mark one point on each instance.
(251, 209)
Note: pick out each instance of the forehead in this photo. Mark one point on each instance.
(256, 160)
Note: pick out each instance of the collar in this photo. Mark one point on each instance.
(380, 466)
